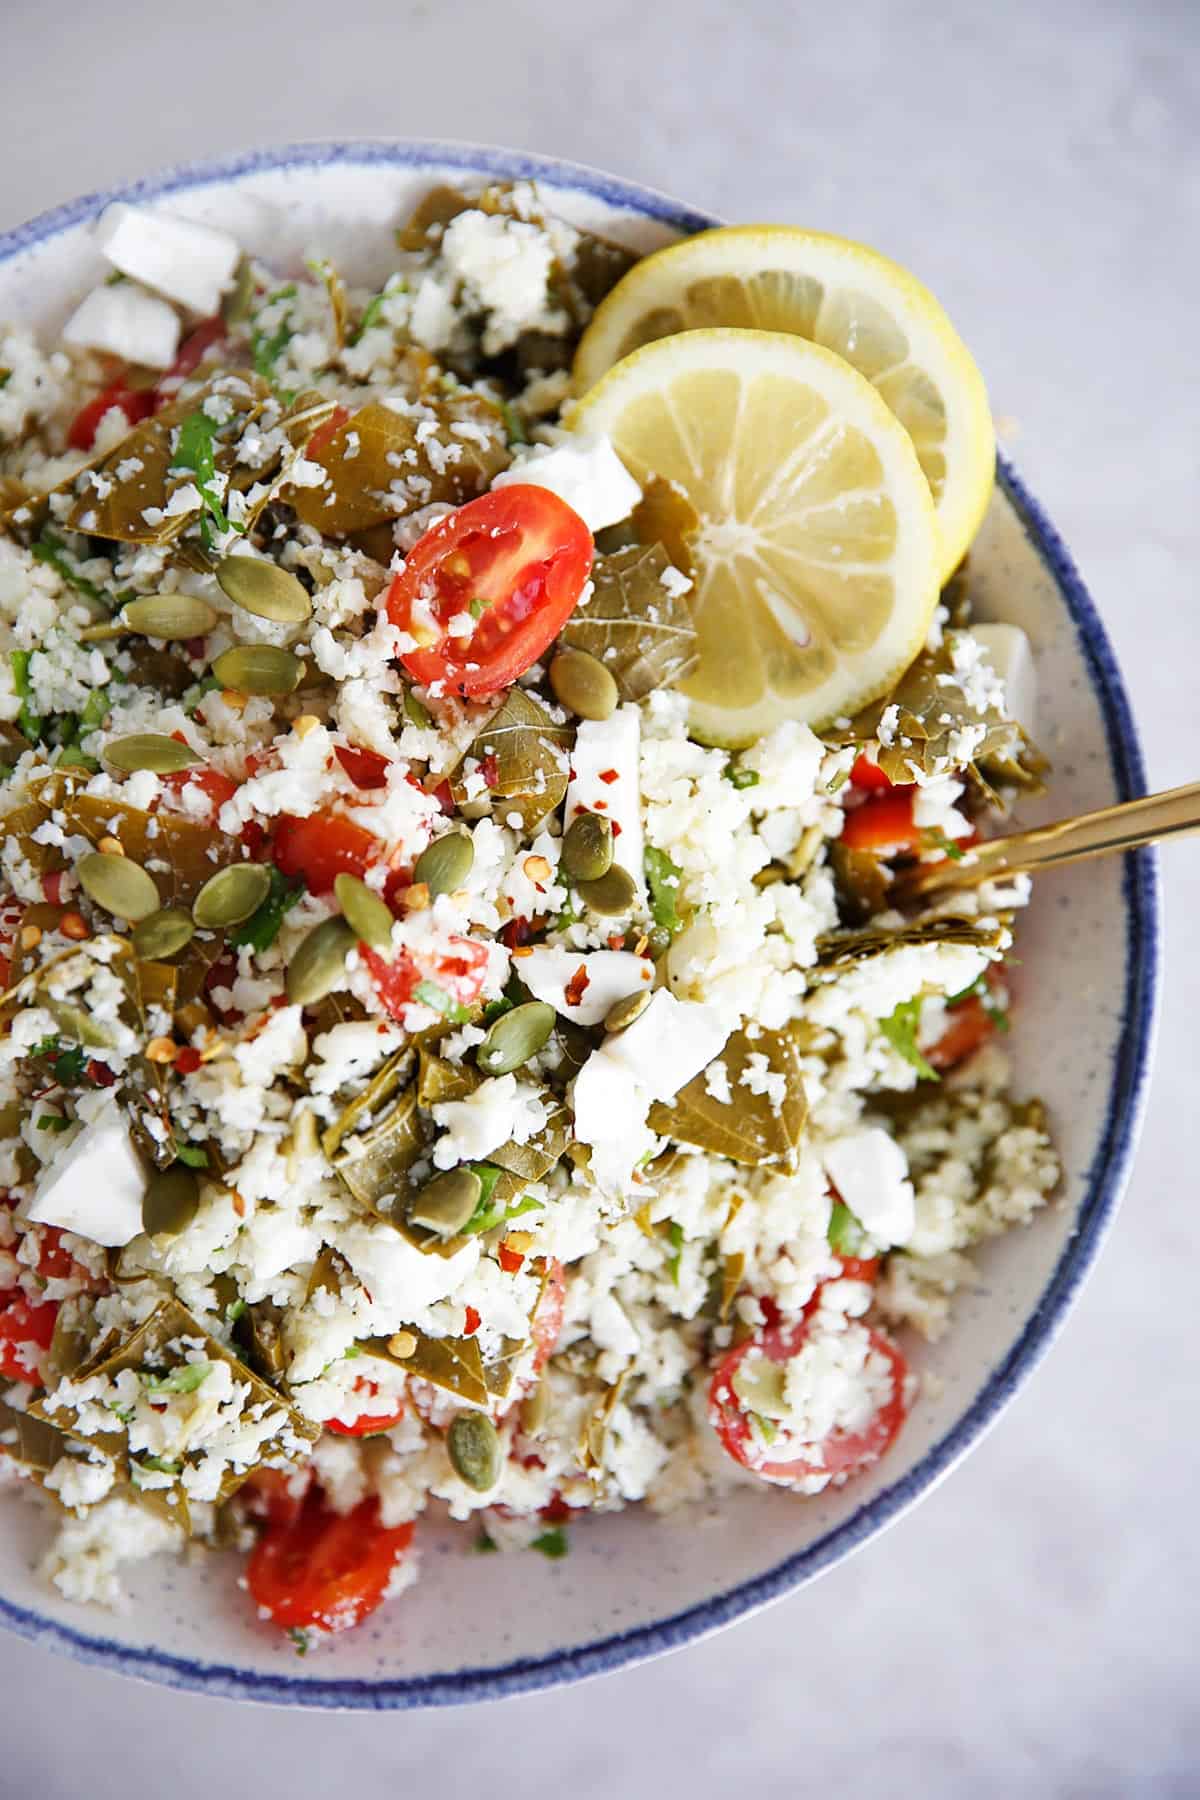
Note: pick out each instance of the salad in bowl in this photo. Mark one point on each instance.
(470, 1045)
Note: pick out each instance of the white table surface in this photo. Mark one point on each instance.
(1032, 1628)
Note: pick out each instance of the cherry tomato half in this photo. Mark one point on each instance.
(883, 825)
(325, 1570)
(26, 1327)
(843, 1453)
(366, 768)
(868, 774)
(194, 348)
(364, 1424)
(322, 847)
(968, 1026)
(517, 559)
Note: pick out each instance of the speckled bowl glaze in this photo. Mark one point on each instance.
(634, 1586)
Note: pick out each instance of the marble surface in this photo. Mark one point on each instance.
(1033, 1626)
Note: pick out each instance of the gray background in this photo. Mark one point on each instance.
(1032, 1628)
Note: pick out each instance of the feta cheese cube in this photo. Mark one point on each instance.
(588, 475)
(605, 779)
(1010, 654)
(94, 1186)
(189, 263)
(869, 1170)
(668, 1044)
(610, 1116)
(608, 976)
(127, 322)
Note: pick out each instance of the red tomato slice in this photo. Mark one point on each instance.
(325, 1570)
(868, 774)
(843, 1453)
(366, 768)
(216, 788)
(458, 970)
(546, 1325)
(969, 1025)
(858, 1268)
(276, 1495)
(364, 1424)
(883, 825)
(321, 848)
(521, 554)
(194, 348)
(25, 1328)
(136, 404)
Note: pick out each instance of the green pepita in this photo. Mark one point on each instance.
(369, 917)
(170, 616)
(583, 685)
(231, 895)
(264, 589)
(623, 1012)
(534, 1410)
(473, 1446)
(151, 750)
(446, 1202)
(258, 669)
(612, 895)
(120, 886)
(445, 864)
(316, 968)
(162, 935)
(171, 1200)
(587, 850)
(514, 1037)
(78, 1024)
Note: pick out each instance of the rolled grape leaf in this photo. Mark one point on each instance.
(386, 1082)
(838, 949)
(374, 1164)
(752, 1128)
(525, 760)
(639, 629)
(453, 1364)
(535, 1159)
(179, 852)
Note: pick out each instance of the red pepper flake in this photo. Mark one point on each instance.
(489, 768)
(100, 1075)
(52, 887)
(188, 1060)
(239, 1204)
(516, 933)
(510, 1260)
(609, 776)
(441, 792)
(617, 941)
(472, 1323)
(600, 806)
(577, 987)
(616, 828)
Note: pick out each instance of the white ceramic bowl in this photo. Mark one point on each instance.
(476, 1627)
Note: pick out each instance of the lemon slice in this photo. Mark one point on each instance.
(815, 546)
(839, 294)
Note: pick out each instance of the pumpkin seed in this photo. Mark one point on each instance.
(534, 1410)
(445, 864)
(264, 589)
(231, 895)
(258, 669)
(587, 850)
(171, 1201)
(78, 1024)
(446, 1203)
(583, 685)
(612, 895)
(120, 886)
(473, 1445)
(368, 916)
(170, 616)
(514, 1037)
(624, 1012)
(317, 966)
(150, 750)
(162, 935)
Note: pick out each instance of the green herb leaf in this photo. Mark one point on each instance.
(264, 925)
(431, 995)
(846, 1235)
(161, 1465)
(371, 316)
(738, 777)
(267, 347)
(183, 1380)
(234, 1310)
(937, 840)
(414, 712)
(552, 1543)
(194, 454)
(208, 684)
(52, 1122)
(299, 1639)
(663, 878)
(28, 721)
(49, 549)
(491, 1211)
(512, 424)
(675, 1238)
(194, 1155)
(900, 1030)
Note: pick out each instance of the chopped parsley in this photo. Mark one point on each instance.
(900, 1030)
(490, 1212)
(372, 315)
(846, 1235)
(663, 879)
(52, 1122)
(69, 1065)
(183, 1380)
(234, 1310)
(980, 991)
(552, 1543)
(160, 1465)
(267, 347)
(49, 549)
(29, 722)
(264, 925)
(414, 712)
(937, 840)
(435, 997)
(196, 456)
(738, 777)
(299, 1639)
(513, 427)
(194, 1156)
(675, 1239)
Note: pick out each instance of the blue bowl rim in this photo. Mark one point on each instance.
(1106, 1177)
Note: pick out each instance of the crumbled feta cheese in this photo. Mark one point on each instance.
(588, 475)
(584, 985)
(869, 1170)
(501, 1109)
(604, 780)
